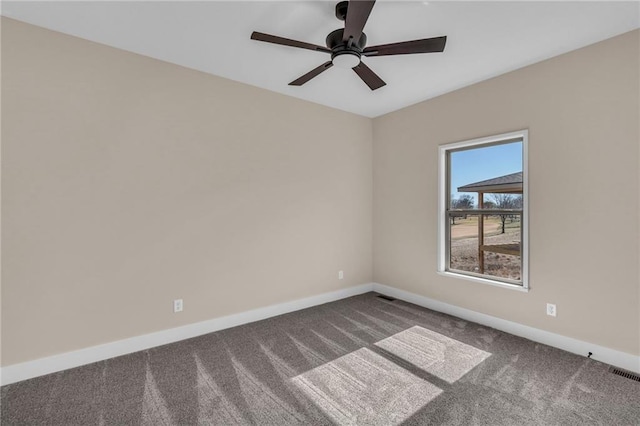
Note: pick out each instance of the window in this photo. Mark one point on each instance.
(483, 210)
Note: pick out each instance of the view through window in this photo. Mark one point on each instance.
(484, 209)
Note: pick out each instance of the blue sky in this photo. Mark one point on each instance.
(478, 164)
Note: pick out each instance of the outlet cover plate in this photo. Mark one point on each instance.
(551, 309)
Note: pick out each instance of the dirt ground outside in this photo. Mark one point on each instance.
(464, 247)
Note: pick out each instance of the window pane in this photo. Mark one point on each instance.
(470, 167)
(501, 250)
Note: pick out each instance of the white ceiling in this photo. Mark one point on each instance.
(485, 39)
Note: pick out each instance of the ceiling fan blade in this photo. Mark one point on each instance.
(287, 42)
(369, 77)
(311, 74)
(357, 14)
(427, 45)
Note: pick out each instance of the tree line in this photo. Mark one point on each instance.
(496, 201)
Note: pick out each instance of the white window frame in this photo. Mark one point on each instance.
(442, 208)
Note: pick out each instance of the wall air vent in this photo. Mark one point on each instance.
(382, 296)
(624, 373)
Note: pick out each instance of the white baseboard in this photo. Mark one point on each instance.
(39, 367)
(600, 353)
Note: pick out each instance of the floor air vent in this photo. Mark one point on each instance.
(382, 296)
(626, 374)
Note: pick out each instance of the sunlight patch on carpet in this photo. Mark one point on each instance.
(434, 353)
(266, 406)
(365, 388)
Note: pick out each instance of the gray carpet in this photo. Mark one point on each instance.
(362, 360)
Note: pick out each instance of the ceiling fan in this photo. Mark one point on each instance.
(348, 45)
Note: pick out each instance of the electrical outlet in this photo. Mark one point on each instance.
(551, 309)
(341, 275)
(177, 305)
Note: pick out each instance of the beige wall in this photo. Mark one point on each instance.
(582, 113)
(129, 182)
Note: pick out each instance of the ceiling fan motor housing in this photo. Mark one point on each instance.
(339, 47)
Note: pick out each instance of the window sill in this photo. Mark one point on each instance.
(516, 287)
